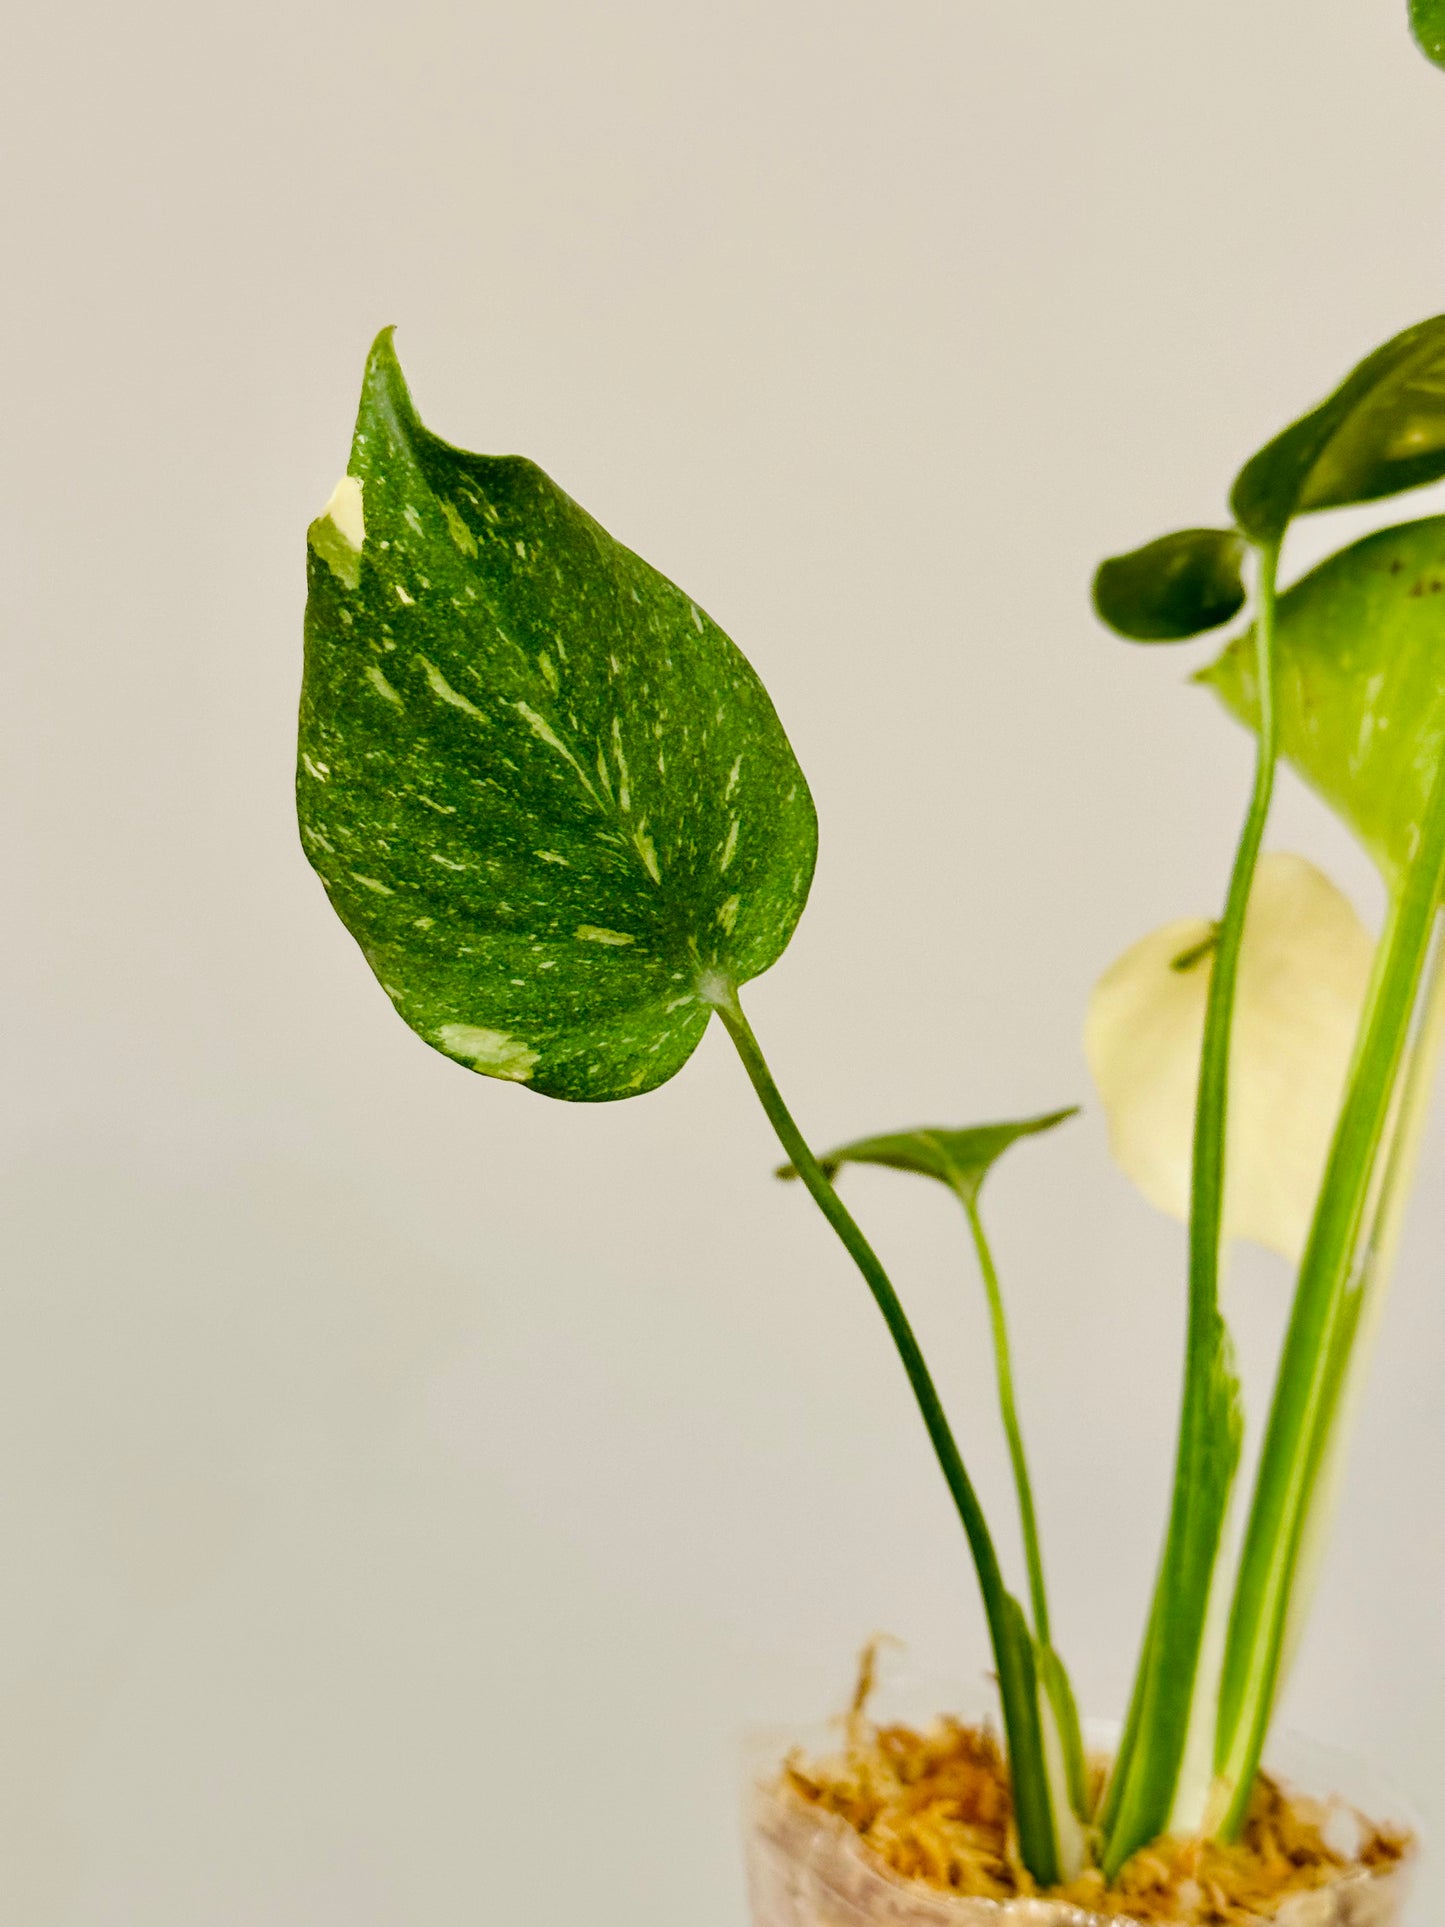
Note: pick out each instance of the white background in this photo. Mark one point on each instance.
(409, 1486)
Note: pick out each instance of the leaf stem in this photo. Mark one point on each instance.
(1314, 1354)
(1151, 1755)
(1012, 1646)
(1054, 1675)
(1008, 1407)
(1356, 1329)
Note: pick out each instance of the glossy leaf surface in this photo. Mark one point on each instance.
(959, 1159)
(545, 792)
(1172, 588)
(1381, 431)
(1360, 683)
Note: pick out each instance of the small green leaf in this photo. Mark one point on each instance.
(1381, 431)
(1172, 588)
(1427, 20)
(1361, 682)
(959, 1159)
(546, 794)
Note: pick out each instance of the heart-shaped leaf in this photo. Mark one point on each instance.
(959, 1159)
(1172, 588)
(1360, 682)
(1381, 431)
(1427, 19)
(546, 794)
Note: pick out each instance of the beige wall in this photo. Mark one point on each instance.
(408, 1486)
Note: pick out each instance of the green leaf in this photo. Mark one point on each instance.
(1427, 21)
(959, 1159)
(1381, 431)
(1172, 588)
(1360, 682)
(547, 796)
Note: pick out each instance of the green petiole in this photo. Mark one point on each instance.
(1008, 1406)
(1147, 1772)
(1354, 1337)
(1056, 1681)
(1318, 1344)
(1013, 1647)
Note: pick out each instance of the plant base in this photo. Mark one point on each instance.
(914, 1829)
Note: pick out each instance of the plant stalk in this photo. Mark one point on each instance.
(1008, 1408)
(1146, 1775)
(1360, 1322)
(1008, 1630)
(1055, 1678)
(1315, 1353)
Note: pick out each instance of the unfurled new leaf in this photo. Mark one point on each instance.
(546, 794)
(1360, 682)
(1172, 588)
(959, 1159)
(1381, 431)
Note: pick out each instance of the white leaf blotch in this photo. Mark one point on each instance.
(492, 1052)
(345, 511)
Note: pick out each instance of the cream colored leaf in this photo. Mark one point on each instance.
(1303, 972)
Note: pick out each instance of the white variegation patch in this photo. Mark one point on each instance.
(492, 1052)
(339, 532)
(346, 512)
(1303, 973)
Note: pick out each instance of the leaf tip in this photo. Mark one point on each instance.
(383, 347)
(384, 390)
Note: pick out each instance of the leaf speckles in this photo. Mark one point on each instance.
(458, 530)
(440, 687)
(595, 933)
(540, 877)
(647, 850)
(382, 687)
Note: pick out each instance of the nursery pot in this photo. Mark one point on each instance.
(810, 1868)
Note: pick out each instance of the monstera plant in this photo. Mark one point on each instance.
(555, 807)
